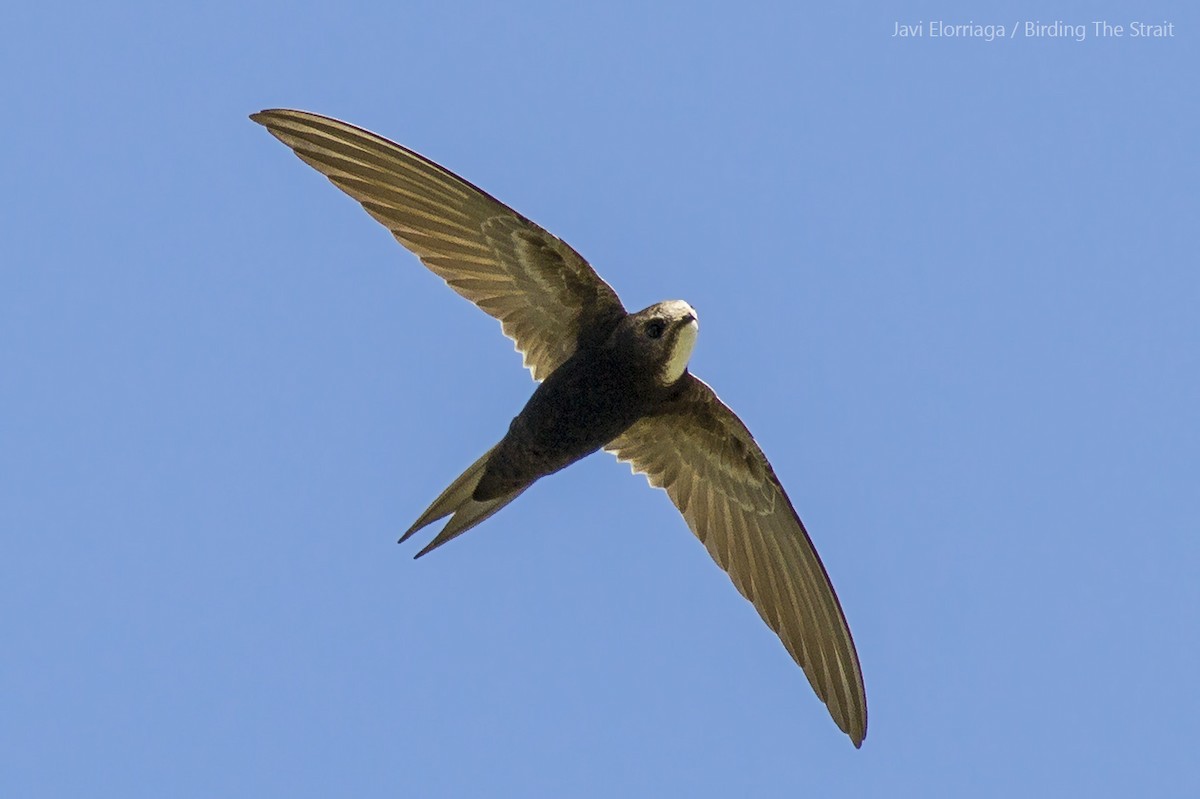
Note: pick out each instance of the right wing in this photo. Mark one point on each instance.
(545, 294)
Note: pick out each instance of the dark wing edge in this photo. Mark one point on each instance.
(705, 458)
(543, 292)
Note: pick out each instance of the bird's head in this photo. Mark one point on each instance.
(660, 339)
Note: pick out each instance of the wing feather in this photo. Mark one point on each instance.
(545, 295)
(712, 469)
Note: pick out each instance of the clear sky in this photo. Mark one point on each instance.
(950, 284)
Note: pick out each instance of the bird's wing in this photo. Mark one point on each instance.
(543, 292)
(700, 452)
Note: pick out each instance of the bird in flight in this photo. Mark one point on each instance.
(609, 379)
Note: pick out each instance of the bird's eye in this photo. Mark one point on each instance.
(655, 329)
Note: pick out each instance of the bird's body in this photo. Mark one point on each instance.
(585, 403)
(609, 379)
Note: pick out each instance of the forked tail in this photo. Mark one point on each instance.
(457, 500)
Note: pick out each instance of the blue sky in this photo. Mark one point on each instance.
(951, 286)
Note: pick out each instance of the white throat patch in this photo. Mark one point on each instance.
(681, 350)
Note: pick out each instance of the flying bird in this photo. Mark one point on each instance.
(608, 379)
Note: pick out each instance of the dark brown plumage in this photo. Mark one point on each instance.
(610, 379)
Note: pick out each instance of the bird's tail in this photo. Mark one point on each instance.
(457, 500)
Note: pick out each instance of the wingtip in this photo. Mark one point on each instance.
(265, 116)
(858, 736)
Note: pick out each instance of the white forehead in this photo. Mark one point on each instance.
(677, 309)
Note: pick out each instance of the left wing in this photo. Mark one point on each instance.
(700, 452)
